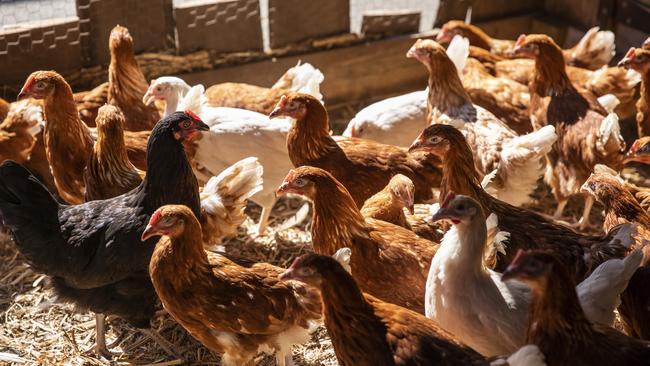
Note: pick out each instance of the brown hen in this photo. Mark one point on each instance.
(366, 331)
(384, 256)
(127, 84)
(595, 49)
(389, 204)
(557, 323)
(621, 207)
(234, 310)
(4, 109)
(68, 141)
(89, 102)
(587, 135)
(109, 172)
(364, 167)
(528, 230)
(638, 59)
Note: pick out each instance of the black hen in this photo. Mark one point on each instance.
(92, 251)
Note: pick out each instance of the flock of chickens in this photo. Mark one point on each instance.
(119, 194)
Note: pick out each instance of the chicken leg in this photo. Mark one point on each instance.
(100, 339)
(584, 220)
(283, 358)
(560, 209)
(264, 220)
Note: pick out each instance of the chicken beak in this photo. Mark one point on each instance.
(149, 231)
(148, 98)
(442, 213)
(624, 63)
(409, 204)
(277, 112)
(202, 126)
(286, 188)
(287, 275)
(417, 145)
(585, 188)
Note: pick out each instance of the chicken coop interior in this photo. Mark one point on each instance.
(325, 182)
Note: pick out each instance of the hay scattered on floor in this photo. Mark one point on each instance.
(36, 331)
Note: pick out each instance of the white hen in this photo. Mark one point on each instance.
(471, 302)
(519, 160)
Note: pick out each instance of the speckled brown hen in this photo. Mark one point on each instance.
(621, 207)
(595, 49)
(557, 324)
(366, 331)
(109, 172)
(528, 230)
(68, 141)
(363, 166)
(384, 257)
(127, 84)
(233, 310)
(587, 135)
(638, 59)
(389, 204)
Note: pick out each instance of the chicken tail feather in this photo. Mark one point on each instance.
(302, 78)
(609, 135)
(458, 51)
(224, 198)
(595, 48)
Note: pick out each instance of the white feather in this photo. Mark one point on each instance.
(609, 102)
(343, 257)
(458, 51)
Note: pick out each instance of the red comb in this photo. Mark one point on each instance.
(520, 40)
(193, 115)
(630, 53)
(283, 101)
(155, 217)
(450, 196)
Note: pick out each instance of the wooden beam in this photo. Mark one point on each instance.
(352, 74)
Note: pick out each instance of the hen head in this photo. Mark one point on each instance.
(439, 140)
(458, 209)
(183, 126)
(532, 267)
(120, 40)
(534, 45)
(646, 44)
(293, 105)
(169, 220)
(640, 151)
(637, 59)
(311, 268)
(403, 190)
(305, 181)
(164, 88)
(604, 187)
(40, 84)
(430, 53)
(110, 120)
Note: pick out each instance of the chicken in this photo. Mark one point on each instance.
(637, 169)
(470, 301)
(366, 331)
(234, 310)
(587, 135)
(527, 229)
(301, 78)
(18, 131)
(88, 250)
(593, 51)
(557, 323)
(68, 141)
(638, 59)
(89, 102)
(384, 256)
(517, 159)
(622, 207)
(127, 84)
(4, 109)
(109, 171)
(364, 167)
(389, 204)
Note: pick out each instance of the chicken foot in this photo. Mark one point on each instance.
(100, 348)
(584, 220)
(284, 358)
(264, 220)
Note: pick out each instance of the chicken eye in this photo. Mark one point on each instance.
(306, 271)
(300, 182)
(293, 105)
(435, 140)
(40, 85)
(158, 88)
(461, 207)
(186, 124)
(166, 221)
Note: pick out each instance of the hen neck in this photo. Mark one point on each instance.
(643, 106)
(183, 257)
(556, 313)
(336, 222)
(550, 77)
(171, 103)
(169, 178)
(110, 152)
(309, 137)
(126, 82)
(459, 175)
(446, 92)
(63, 118)
(464, 245)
